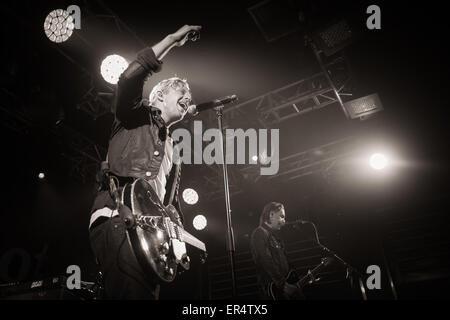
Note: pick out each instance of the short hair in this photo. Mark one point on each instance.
(268, 209)
(164, 85)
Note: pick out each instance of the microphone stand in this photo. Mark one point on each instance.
(230, 236)
(350, 269)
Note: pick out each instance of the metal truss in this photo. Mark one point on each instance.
(277, 106)
(319, 160)
(316, 160)
(84, 155)
(296, 99)
(95, 104)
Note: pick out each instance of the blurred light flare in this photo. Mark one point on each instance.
(190, 196)
(112, 67)
(200, 222)
(378, 161)
(59, 25)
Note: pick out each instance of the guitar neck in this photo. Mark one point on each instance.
(193, 241)
(300, 283)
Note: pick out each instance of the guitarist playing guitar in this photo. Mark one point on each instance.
(277, 280)
(269, 254)
(294, 279)
(135, 176)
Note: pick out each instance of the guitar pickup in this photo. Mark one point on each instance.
(169, 226)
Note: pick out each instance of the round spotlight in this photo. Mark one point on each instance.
(41, 175)
(200, 222)
(255, 158)
(112, 67)
(378, 161)
(190, 196)
(58, 26)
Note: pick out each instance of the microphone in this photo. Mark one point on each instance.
(296, 222)
(195, 109)
(193, 35)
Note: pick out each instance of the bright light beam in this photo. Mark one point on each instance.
(190, 196)
(378, 161)
(58, 25)
(112, 67)
(200, 222)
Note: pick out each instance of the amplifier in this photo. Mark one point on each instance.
(45, 289)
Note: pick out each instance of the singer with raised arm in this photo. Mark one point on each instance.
(140, 147)
(268, 252)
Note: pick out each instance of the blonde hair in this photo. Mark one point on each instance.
(163, 86)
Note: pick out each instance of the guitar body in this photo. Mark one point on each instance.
(157, 235)
(293, 279)
(276, 293)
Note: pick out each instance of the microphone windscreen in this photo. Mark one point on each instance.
(192, 110)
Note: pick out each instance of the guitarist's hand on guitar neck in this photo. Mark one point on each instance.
(311, 277)
(293, 284)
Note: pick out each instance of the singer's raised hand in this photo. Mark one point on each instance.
(176, 39)
(181, 36)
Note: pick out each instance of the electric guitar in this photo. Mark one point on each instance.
(156, 235)
(293, 279)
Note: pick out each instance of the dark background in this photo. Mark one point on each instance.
(357, 214)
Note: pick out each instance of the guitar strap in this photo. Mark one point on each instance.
(124, 210)
(278, 240)
(171, 198)
(175, 184)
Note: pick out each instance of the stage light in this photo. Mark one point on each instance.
(190, 196)
(255, 158)
(58, 25)
(200, 222)
(378, 161)
(112, 67)
(41, 175)
(363, 107)
(333, 37)
(276, 19)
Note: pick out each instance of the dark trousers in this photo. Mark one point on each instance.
(123, 277)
